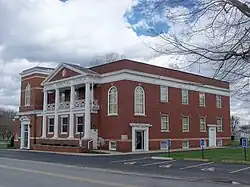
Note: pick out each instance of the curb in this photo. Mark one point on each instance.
(196, 159)
(161, 158)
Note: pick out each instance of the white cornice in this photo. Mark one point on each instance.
(161, 80)
(35, 71)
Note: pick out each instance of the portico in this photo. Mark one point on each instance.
(72, 104)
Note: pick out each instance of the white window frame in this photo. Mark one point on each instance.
(141, 93)
(203, 123)
(77, 116)
(218, 101)
(183, 92)
(202, 97)
(27, 95)
(163, 117)
(185, 147)
(219, 125)
(185, 124)
(164, 93)
(115, 103)
(64, 124)
(110, 145)
(49, 118)
(220, 142)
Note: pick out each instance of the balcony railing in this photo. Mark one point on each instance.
(79, 104)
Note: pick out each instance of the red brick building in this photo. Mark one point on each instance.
(123, 105)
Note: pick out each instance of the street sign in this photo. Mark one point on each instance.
(202, 142)
(244, 143)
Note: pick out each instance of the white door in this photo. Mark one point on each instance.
(212, 136)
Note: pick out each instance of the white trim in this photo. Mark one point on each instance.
(110, 148)
(25, 121)
(143, 102)
(116, 97)
(35, 76)
(76, 117)
(161, 80)
(64, 116)
(79, 115)
(50, 117)
(140, 127)
(35, 70)
(39, 112)
(188, 123)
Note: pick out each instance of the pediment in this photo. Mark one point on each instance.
(24, 118)
(65, 70)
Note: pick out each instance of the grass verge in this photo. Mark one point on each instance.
(217, 155)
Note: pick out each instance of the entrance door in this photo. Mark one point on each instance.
(139, 140)
(25, 135)
(212, 136)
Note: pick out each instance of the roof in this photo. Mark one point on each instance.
(81, 68)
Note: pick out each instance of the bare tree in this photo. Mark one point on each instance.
(6, 123)
(109, 57)
(235, 121)
(207, 32)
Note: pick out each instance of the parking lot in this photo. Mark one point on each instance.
(187, 168)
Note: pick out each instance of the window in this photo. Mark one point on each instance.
(62, 97)
(51, 126)
(185, 124)
(164, 94)
(202, 124)
(112, 101)
(219, 125)
(27, 95)
(185, 144)
(139, 101)
(184, 96)
(202, 99)
(164, 123)
(64, 125)
(112, 145)
(218, 101)
(79, 124)
(77, 95)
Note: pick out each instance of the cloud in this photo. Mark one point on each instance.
(45, 32)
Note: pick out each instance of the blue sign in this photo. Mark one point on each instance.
(164, 144)
(202, 142)
(169, 142)
(244, 142)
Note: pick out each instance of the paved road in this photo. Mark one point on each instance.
(141, 166)
(15, 173)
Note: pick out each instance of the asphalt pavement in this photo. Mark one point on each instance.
(138, 166)
(15, 173)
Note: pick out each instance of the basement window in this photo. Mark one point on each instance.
(112, 145)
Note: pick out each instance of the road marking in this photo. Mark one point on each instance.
(67, 176)
(129, 163)
(165, 166)
(208, 169)
(197, 165)
(156, 163)
(128, 160)
(239, 170)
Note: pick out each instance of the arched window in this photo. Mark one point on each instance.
(27, 95)
(139, 101)
(112, 101)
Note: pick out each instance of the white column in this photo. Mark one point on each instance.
(57, 102)
(133, 139)
(22, 137)
(87, 116)
(28, 147)
(71, 116)
(146, 140)
(92, 95)
(45, 104)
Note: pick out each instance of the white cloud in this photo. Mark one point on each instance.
(44, 32)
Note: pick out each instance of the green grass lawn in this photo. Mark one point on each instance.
(236, 154)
